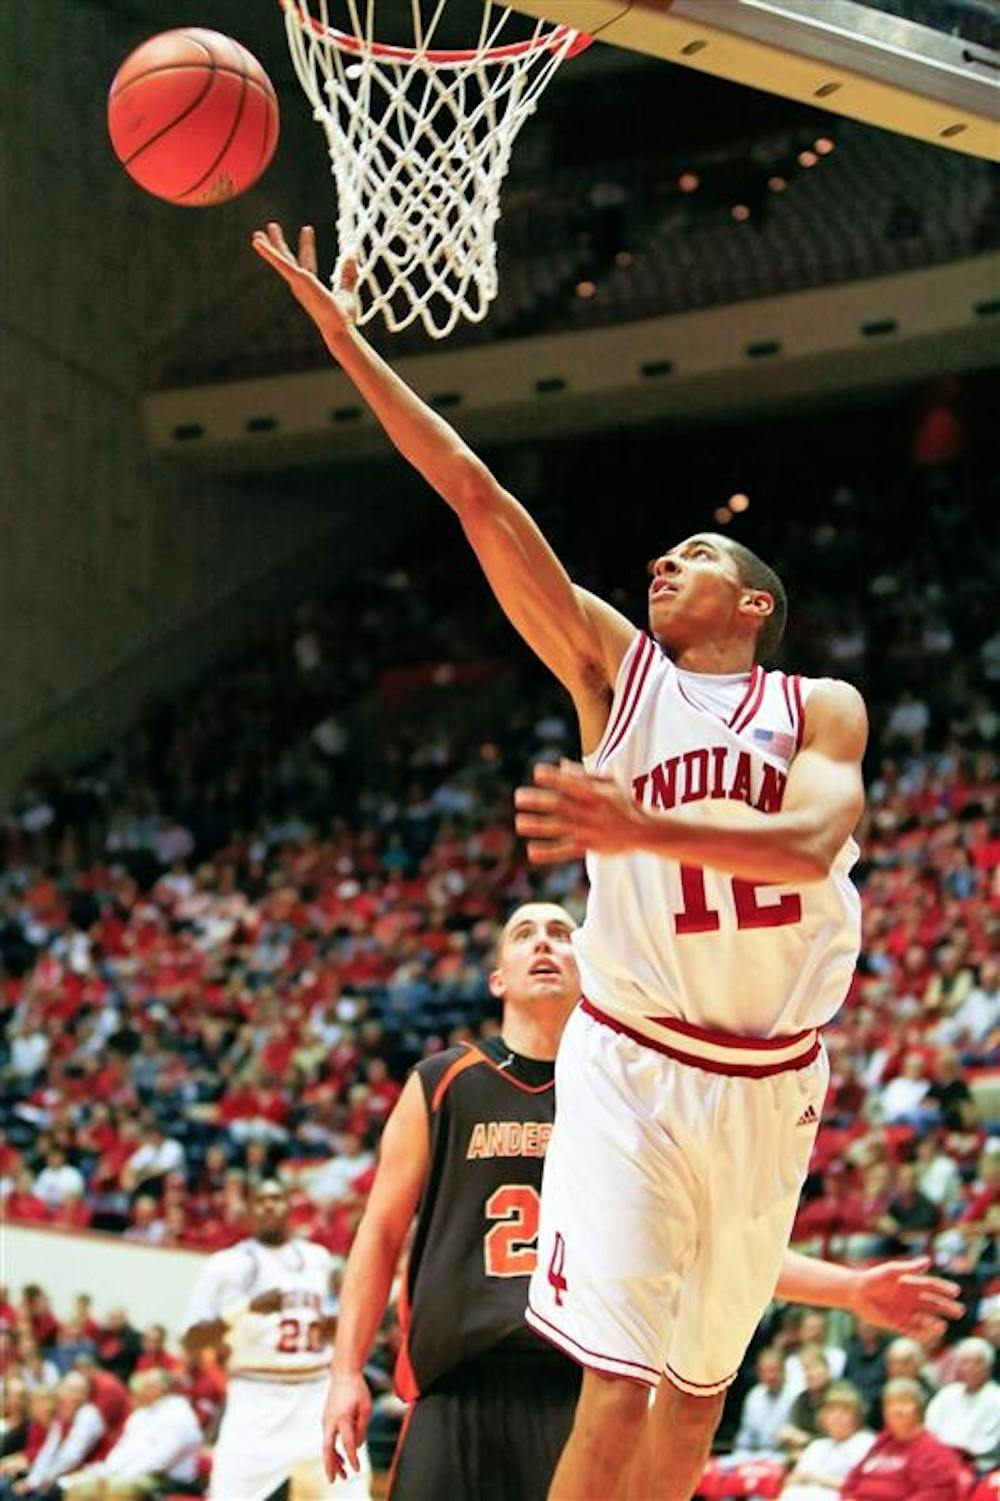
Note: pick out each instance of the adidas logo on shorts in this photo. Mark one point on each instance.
(808, 1116)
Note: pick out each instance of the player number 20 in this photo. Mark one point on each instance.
(510, 1247)
(296, 1336)
(696, 916)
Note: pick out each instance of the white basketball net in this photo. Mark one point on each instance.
(420, 143)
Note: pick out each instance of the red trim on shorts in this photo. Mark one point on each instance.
(752, 701)
(709, 1388)
(645, 656)
(800, 711)
(730, 1039)
(590, 1359)
(713, 1065)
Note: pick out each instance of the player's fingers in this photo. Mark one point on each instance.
(541, 826)
(267, 251)
(349, 274)
(276, 235)
(307, 249)
(554, 851)
(348, 1440)
(536, 800)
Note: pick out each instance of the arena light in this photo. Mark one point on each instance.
(823, 146)
(777, 184)
(689, 182)
(586, 289)
(723, 515)
(740, 212)
(807, 158)
(739, 502)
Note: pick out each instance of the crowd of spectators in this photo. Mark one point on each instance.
(223, 944)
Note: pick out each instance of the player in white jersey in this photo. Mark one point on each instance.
(265, 1301)
(721, 932)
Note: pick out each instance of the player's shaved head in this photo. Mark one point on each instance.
(531, 914)
(269, 1210)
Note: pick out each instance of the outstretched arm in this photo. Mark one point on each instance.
(569, 812)
(896, 1295)
(402, 1171)
(580, 639)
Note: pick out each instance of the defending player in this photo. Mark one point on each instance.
(263, 1302)
(716, 810)
(492, 1403)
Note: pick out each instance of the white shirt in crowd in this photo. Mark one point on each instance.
(154, 1158)
(966, 1420)
(55, 1184)
(901, 1097)
(832, 1460)
(161, 1439)
(764, 1413)
(28, 1052)
(65, 1450)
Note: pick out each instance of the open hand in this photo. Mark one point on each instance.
(345, 1422)
(267, 1302)
(897, 1295)
(334, 312)
(569, 811)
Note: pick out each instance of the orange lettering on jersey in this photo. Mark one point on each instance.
(740, 791)
(508, 1139)
(772, 790)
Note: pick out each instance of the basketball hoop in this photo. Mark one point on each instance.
(420, 140)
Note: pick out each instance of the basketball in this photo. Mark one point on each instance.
(193, 117)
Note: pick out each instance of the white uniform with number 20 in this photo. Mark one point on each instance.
(691, 1078)
(277, 1369)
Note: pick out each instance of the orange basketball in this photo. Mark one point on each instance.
(193, 117)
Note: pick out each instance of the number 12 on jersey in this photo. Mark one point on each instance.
(696, 916)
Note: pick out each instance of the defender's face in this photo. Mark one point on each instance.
(269, 1214)
(536, 960)
(695, 591)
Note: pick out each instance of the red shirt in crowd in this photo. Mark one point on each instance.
(915, 1469)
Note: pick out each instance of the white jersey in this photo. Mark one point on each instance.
(684, 943)
(288, 1345)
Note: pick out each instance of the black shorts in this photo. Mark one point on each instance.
(491, 1430)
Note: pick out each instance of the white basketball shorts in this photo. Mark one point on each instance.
(271, 1432)
(670, 1186)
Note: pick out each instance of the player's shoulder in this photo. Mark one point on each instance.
(833, 698)
(243, 1254)
(437, 1072)
(313, 1252)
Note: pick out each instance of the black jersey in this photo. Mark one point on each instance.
(466, 1286)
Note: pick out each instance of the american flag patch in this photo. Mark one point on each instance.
(778, 742)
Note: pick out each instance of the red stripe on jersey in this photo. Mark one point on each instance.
(636, 649)
(758, 683)
(788, 701)
(800, 711)
(404, 1376)
(646, 656)
(756, 677)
